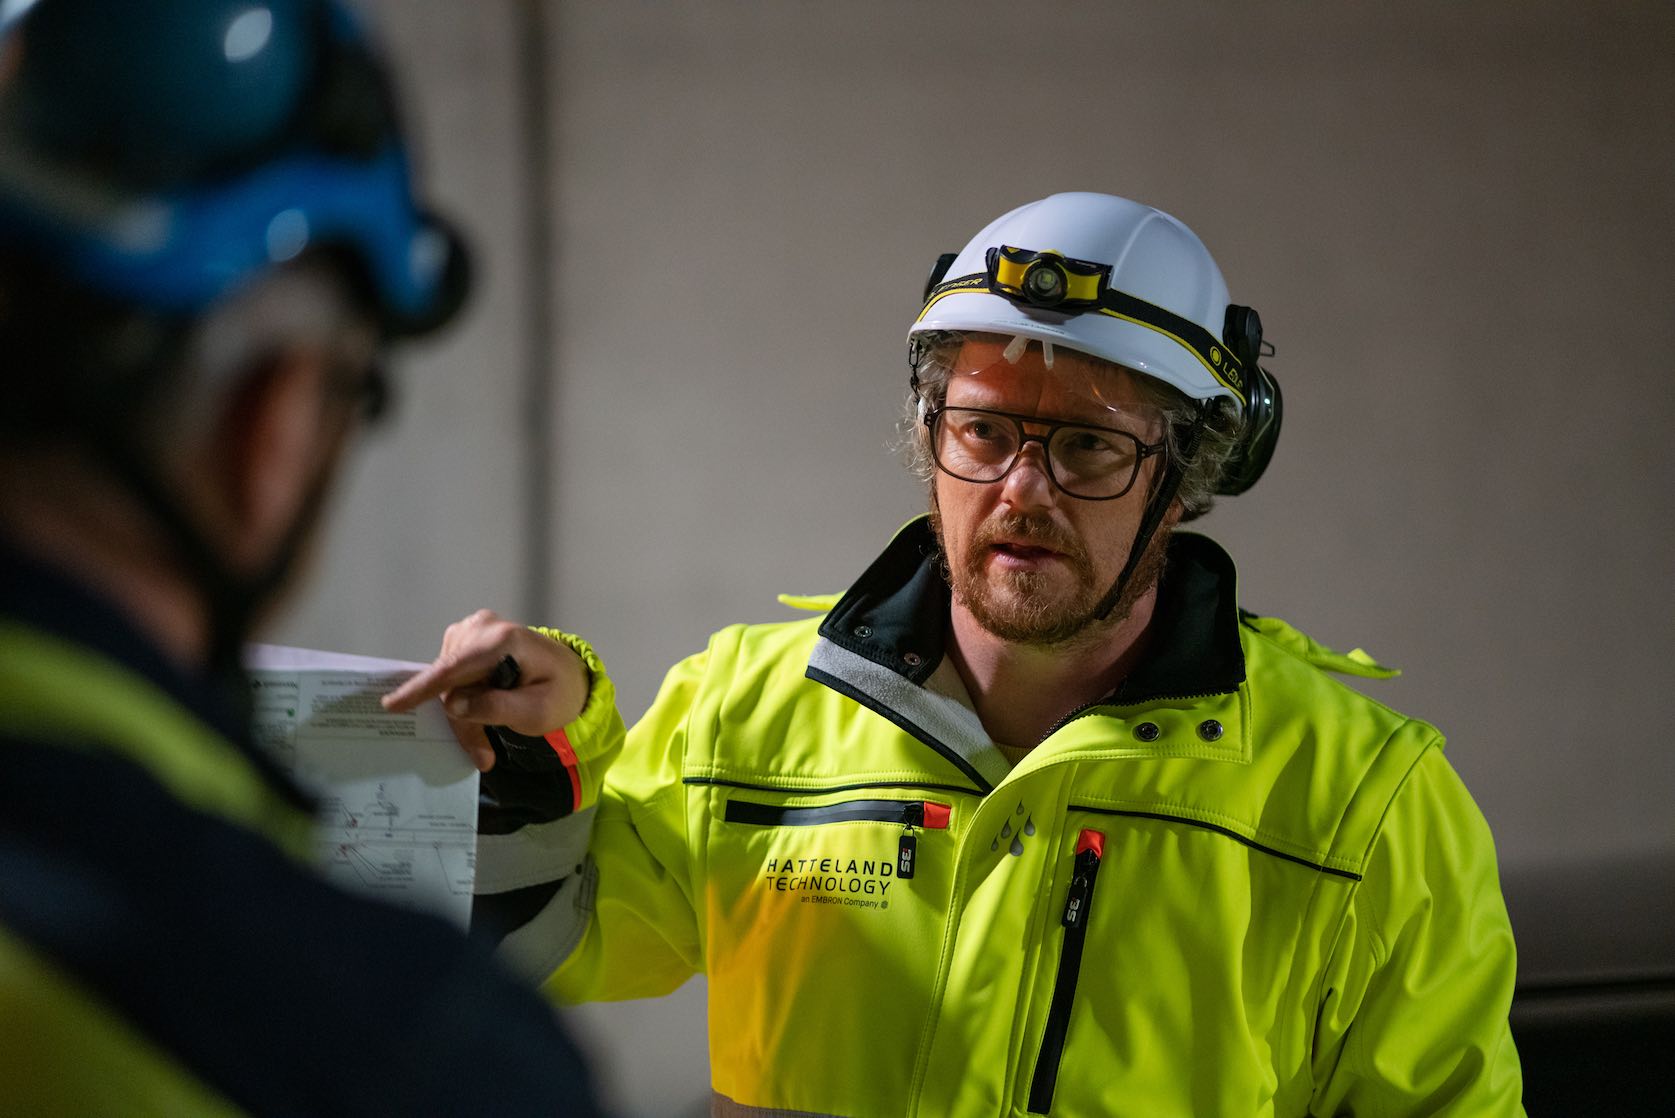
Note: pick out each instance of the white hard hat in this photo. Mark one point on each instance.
(1103, 275)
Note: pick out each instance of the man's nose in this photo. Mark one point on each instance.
(1028, 485)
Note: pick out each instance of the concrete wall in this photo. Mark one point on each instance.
(433, 522)
(1453, 218)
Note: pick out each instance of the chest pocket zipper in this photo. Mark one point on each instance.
(911, 814)
(1090, 848)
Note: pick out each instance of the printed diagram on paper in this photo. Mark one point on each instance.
(398, 799)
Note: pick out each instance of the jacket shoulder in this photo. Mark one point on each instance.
(761, 660)
(1289, 667)
(181, 942)
(1336, 757)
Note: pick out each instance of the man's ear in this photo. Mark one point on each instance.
(272, 441)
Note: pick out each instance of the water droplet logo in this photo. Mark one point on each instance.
(1016, 846)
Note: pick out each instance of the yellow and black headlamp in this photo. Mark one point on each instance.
(1049, 280)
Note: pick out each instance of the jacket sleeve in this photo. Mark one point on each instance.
(535, 815)
(621, 922)
(1413, 1013)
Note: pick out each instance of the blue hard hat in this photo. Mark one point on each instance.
(164, 152)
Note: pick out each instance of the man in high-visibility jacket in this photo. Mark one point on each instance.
(207, 235)
(1034, 819)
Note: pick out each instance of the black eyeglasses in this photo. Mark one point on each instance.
(375, 395)
(366, 385)
(1091, 463)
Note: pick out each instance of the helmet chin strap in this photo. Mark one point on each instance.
(1157, 505)
(231, 598)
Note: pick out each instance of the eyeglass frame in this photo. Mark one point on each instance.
(1143, 450)
(364, 381)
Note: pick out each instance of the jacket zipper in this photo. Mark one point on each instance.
(1090, 848)
(911, 814)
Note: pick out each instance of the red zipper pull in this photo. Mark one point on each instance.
(1090, 847)
(916, 813)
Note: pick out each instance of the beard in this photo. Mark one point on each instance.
(1021, 607)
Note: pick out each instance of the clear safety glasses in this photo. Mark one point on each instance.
(1087, 462)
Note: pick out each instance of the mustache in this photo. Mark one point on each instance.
(1038, 531)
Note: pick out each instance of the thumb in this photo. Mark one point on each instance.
(475, 742)
(491, 706)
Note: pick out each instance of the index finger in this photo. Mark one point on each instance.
(442, 676)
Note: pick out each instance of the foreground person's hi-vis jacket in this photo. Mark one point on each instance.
(167, 948)
(1236, 887)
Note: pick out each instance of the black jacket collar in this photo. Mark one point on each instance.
(896, 615)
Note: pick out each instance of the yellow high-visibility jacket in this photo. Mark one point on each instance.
(1235, 887)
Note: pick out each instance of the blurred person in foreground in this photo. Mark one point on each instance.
(207, 240)
(1035, 819)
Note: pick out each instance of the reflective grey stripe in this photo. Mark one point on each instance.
(723, 1107)
(942, 719)
(537, 948)
(532, 854)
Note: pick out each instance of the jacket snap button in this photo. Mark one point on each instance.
(863, 631)
(1209, 730)
(912, 659)
(1147, 731)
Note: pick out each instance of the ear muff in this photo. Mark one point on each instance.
(1242, 334)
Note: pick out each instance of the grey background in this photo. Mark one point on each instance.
(702, 232)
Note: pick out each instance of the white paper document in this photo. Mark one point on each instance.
(398, 798)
